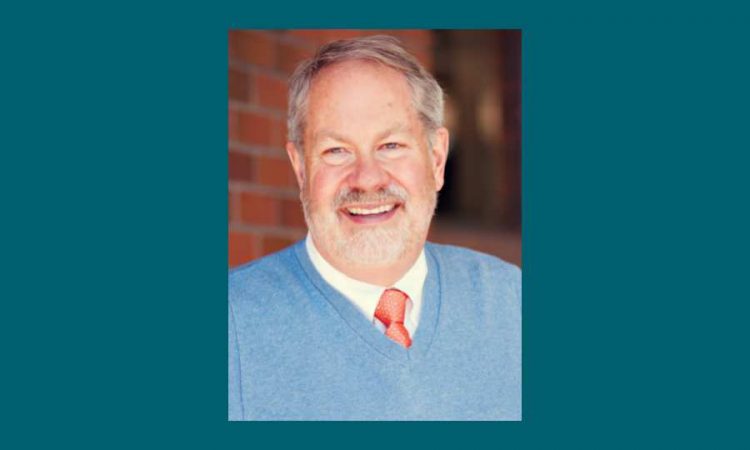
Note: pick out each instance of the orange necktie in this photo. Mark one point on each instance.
(391, 309)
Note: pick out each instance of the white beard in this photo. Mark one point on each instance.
(371, 246)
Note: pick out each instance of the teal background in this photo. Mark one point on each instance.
(113, 181)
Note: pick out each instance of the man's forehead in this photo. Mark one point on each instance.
(357, 76)
(354, 68)
(357, 95)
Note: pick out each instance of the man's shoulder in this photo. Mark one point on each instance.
(268, 272)
(467, 259)
(489, 277)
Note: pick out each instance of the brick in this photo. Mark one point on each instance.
(278, 137)
(417, 39)
(252, 47)
(273, 244)
(271, 92)
(334, 35)
(254, 128)
(232, 211)
(243, 247)
(275, 172)
(258, 209)
(233, 122)
(424, 57)
(239, 85)
(290, 55)
(240, 167)
(292, 215)
(313, 37)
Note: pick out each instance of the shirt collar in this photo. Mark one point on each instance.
(365, 295)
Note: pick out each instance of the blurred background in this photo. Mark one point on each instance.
(480, 71)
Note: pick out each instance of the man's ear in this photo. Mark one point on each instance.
(298, 162)
(440, 155)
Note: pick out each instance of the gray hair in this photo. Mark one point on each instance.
(427, 96)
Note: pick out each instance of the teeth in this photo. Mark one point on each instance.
(365, 212)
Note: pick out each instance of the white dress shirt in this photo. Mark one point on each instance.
(365, 296)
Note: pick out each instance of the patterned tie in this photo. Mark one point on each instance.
(390, 311)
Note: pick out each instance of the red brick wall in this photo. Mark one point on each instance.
(264, 210)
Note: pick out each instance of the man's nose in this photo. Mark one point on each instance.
(368, 174)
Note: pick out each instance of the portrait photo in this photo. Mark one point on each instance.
(374, 228)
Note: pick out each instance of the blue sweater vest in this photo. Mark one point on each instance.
(299, 350)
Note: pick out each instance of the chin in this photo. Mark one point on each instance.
(374, 247)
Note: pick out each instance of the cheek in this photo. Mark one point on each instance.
(414, 176)
(323, 185)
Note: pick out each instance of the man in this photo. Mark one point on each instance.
(365, 320)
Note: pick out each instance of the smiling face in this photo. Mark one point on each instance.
(368, 180)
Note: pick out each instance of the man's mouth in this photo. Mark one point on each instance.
(371, 214)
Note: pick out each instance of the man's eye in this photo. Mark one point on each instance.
(335, 155)
(391, 146)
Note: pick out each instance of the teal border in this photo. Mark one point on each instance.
(634, 225)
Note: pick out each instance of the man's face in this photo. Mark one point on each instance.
(369, 182)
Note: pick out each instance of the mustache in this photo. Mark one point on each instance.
(390, 193)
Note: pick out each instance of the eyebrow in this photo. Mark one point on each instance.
(327, 133)
(397, 128)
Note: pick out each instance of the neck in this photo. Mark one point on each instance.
(380, 275)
